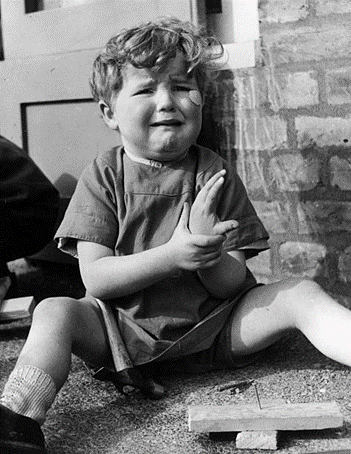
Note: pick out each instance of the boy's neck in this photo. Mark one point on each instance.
(151, 162)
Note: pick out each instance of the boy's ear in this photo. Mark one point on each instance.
(108, 115)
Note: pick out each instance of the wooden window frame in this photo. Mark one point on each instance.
(38, 67)
(62, 30)
(238, 27)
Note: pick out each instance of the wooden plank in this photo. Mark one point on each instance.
(235, 418)
(16, 308)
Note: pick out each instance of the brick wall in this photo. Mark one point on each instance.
(292, 141)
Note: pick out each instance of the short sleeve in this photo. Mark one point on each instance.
(92, 212)
(251, 236)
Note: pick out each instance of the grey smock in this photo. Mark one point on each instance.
(130, 207)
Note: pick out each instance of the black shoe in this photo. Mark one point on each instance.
(131, 378)
(19, 434)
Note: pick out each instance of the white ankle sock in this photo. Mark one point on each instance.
(30, 392)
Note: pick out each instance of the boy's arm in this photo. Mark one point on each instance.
(225, 277)
(108, 276)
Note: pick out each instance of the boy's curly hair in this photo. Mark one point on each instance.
(151, 46)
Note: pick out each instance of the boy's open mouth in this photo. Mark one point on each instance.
(167, 123)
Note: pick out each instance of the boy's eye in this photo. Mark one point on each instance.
(182, 88)
(144, 91)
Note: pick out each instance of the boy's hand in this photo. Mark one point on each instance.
(191, 251)
(203, 214)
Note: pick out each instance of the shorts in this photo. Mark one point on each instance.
(218, 356)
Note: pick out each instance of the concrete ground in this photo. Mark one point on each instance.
(91, 417)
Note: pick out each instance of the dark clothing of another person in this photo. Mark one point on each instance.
(28, 205)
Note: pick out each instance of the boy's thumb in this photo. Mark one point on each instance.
(184, 217)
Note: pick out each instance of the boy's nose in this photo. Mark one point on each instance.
(165, 99)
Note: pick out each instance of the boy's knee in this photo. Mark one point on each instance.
(301, 286)
(54, 307)
(302, 292)
(307, 287)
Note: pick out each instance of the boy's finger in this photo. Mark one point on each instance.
(204, 191)
(213, 179)
(213, 194)
(211, 263)
(222, 228)
(212, 256)
(208, 241)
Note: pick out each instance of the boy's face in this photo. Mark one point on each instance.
(157, 114)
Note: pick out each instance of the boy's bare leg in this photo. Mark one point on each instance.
(266, 313)
(62, 326)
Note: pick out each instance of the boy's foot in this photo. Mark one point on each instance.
(19, 434)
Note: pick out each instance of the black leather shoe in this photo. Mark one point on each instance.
(19, 434)
(131, 378)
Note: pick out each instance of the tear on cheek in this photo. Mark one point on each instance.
(195, 97)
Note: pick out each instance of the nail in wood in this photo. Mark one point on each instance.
(257, 397)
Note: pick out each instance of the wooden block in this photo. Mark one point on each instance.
(267, 439)
(16, 308)
(236, 418)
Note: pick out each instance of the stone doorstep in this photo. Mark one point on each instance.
(266, 439)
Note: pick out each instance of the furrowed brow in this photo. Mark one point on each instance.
(144, 83)
(184, 78)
